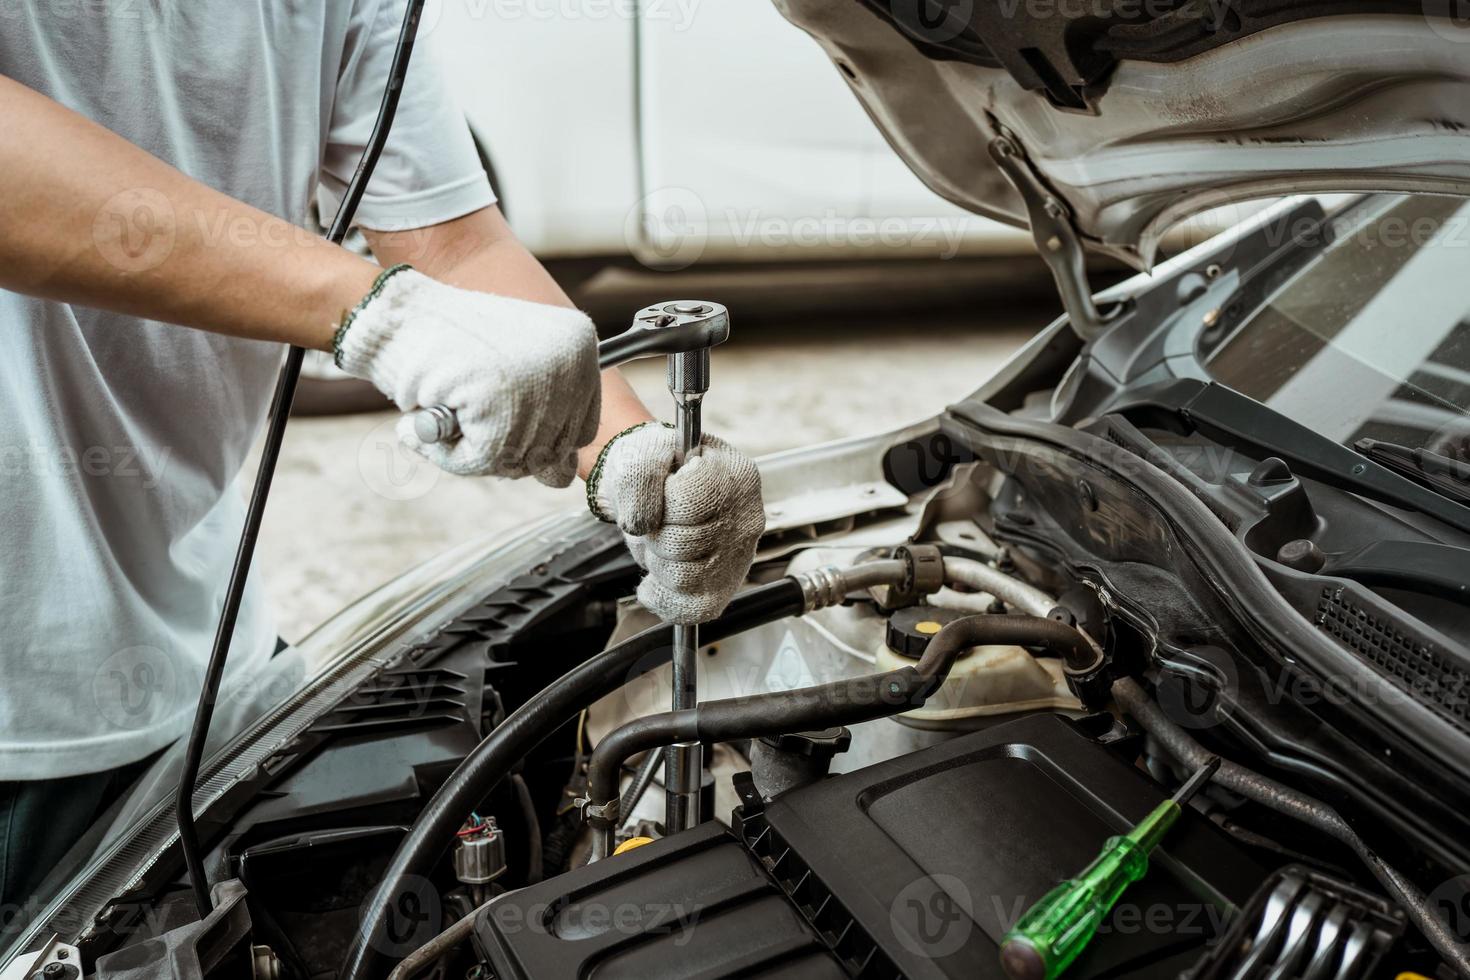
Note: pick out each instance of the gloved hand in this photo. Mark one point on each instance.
(694, 531)
(522, 377)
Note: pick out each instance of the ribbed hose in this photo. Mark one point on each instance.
(642, 779)
(495, 756)
(1283, 799)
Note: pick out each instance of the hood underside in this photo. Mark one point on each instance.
(1136, 114)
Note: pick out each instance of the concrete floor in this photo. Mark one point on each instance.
(350, 509)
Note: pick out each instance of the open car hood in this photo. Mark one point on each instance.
(1130, 115)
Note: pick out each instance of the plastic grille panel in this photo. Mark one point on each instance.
(1424, 672)
(842, 933)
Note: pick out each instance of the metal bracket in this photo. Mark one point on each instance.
(600, 812)
(1056, 238)
(924, 577)
(216, 946)
(54, 961)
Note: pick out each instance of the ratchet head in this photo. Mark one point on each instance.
(673, 327)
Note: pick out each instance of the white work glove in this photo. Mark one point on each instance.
(694, 531)
(521, 377)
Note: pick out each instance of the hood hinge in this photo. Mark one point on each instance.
(1056, 238)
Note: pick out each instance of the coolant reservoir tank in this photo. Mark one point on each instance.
(985, 681)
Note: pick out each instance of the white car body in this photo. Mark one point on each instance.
(718, 132)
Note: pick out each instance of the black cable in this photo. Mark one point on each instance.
(492, 760)
(534, 870)
(280, 411)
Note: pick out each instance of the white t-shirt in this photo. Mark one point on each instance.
(121, 438)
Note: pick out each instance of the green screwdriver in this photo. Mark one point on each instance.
(1055, 930)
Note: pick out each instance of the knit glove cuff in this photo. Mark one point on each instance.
(694, 530)
(597, 501)
(521, 377)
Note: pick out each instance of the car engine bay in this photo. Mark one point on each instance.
(918, 717)
(1104, 602)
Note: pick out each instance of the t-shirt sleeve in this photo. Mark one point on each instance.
(429, 171)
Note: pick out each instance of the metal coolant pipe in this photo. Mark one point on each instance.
(1007, 588)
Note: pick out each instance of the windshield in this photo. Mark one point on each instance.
(1373, 339)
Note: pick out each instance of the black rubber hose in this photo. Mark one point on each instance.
(492, 760)
(534, 856)
(1312, 812)
(280, 412)
(844, 702)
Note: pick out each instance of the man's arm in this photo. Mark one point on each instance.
(479, 251)
(694, 531)
(88, 218)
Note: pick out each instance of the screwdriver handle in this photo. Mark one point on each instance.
(1056, 930)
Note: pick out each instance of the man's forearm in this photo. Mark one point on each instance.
(621, 407)
(88, 218)
(478, 251)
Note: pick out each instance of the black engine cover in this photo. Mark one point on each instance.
(910, 868)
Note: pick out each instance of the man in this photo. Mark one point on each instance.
(157, 161)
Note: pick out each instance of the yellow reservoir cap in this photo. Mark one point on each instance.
(632, 844)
